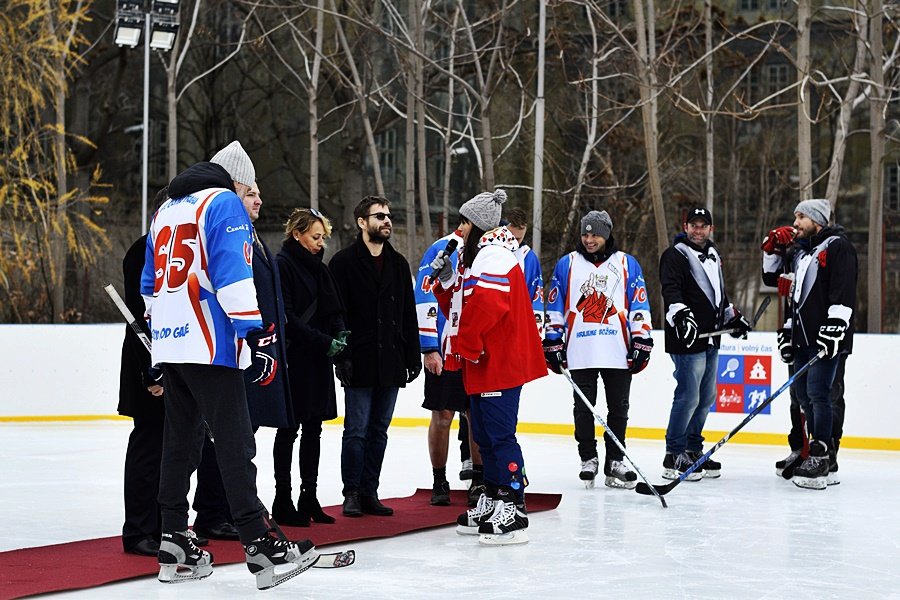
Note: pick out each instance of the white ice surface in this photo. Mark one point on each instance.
(745, 535)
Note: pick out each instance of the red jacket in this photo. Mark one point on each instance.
(493, 337)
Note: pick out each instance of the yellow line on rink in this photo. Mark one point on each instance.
(643, 433)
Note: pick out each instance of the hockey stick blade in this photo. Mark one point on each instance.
(335, 560)
(612, 436)
(662, 490)
(759, 311)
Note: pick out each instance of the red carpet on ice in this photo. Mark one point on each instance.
(89, 563)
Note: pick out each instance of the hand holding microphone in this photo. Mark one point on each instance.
(441, 266)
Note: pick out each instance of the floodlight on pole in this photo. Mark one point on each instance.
(159, 22)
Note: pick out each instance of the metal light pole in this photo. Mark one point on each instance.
(159, 22)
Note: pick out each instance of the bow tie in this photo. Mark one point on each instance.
(703, 257)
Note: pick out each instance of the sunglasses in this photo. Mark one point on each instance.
(316, 213)
(381, 216)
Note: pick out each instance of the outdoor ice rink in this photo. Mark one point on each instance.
(745, 535)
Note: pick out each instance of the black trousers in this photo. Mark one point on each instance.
(617, 386)
(797, 435)
(307, 454)
(141, 478)
(195, 393)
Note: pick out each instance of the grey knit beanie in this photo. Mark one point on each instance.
(598, 223)
(484, 209)
(818, 210)
(234, 160)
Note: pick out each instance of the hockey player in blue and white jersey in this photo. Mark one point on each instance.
(599, 323)
(517, 223)
(198, 288)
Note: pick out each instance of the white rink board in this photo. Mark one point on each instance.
(73, 370)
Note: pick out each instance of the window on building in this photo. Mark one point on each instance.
(778, 77)
(617, 8)
(159, 150)
(751, 86)
(892, 187)
(749, 4)
(387, 153)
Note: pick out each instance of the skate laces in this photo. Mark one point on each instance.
(617, 467)
(485, 505)
(591, 464)
(683, 462)
(504, 514)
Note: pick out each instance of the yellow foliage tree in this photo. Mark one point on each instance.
(43, 223)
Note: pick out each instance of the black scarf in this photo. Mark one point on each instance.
(597, 257)
(329, 300)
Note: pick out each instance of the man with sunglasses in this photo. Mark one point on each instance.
(382, 356)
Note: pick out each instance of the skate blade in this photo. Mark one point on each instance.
(615, 483)
(520, 536)
(588, 483)
(810, 483)
(672, 475)
(268, 578)
(707, 474)
(833, 479)
(171, 573)
(466, 530)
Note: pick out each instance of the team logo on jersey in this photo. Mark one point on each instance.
(551, 297)
(248, 253)
(594, 305)
(454, 319)
(822, 258)
(432, 313)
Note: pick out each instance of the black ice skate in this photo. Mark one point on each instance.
(711, 469)
(181, 560)
(267, 553)
(833, 478)
(508, 524)
(618, 475)
(588, 472)
(813, 473)
(785, 467)
(675, 466)
(469, 522)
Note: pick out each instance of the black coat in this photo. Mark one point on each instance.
(315, 315)
(381, 315)
(270, 406)
(134, 399)
(684, 281)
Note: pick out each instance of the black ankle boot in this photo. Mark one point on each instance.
(351, 506)
(308, 504)
(284, 513)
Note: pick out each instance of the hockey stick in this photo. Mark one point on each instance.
(129, 318)
(759, 312)
(603, 424)
(647, 489)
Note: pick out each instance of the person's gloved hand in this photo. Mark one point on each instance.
(639, 355)
(831, 332)
(741, 326)
(343, 370)
(262, 354)
(785, 284)
(555, 355)
(785, 348)
(413, 372)
(152, 376)
(335, 348)
(443, 266)
(686, 328)
(344, 336)
(778, 240)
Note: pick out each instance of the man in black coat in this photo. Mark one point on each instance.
(695, 301)
(141, 398)
(375, 283)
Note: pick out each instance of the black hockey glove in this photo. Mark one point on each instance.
(412, 373)
(740, 324)
(785, 348)
(343, 370)
(831, 332)
(262, 347)
(639, 355)
(152, 376)
(555, 355)
(686, 328)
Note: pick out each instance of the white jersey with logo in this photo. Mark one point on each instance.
(197, 281)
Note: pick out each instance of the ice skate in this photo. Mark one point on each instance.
(675, 466)
(469, 522)
(710, 469)
(618, 475)
(508, 525)
(785, 467)
(833, 478)
(181, 560)
(264, 556)
(476, 489)
(588, 472)
(813, 473)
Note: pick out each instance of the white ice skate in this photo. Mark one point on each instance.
(508, 525)
(181, 560)
(274, 561)
(619, 476)
(589, 469)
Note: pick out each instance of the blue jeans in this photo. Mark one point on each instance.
(368, 412)
(813, 390)
(494, 417)
(695, 392)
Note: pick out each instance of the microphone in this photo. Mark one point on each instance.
(448, 249)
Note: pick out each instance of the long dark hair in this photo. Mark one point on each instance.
(470, 247)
